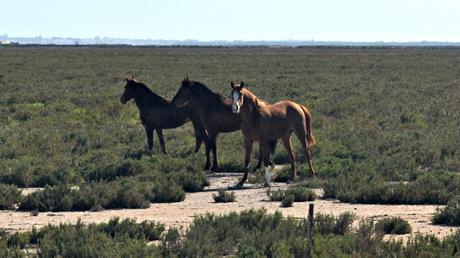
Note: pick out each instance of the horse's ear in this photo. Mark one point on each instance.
(231, 84)
(242, 84)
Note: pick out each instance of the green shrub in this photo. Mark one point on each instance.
(394, 226)
(288, 200)
(449, 215)
(276, 196)
(81, 241)
(301, 194)
(367, 239)
(60, 175)
(111, 171)
(10, 196)
(146, 230)
(18, 240)
(123, 193)
(168, 193)
(53, 198)
(191, 181)
(224, 196)
(426, 189)
(6, 251)
(329, 224)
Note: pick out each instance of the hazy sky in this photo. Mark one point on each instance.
(345, 20)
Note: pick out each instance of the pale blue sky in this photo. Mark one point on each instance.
(344, 20)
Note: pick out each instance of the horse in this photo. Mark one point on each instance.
(215, 113)
(157, 113)
(266, 123)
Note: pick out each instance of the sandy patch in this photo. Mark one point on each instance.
(252, 196)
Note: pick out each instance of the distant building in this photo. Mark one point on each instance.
(7, 42)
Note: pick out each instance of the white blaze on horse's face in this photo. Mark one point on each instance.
(236, 105)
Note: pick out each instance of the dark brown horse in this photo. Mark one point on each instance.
(157, 113)
(264, 123)
(215, 114)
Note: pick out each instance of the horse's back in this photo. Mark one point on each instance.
(285, 108)
(165, 116)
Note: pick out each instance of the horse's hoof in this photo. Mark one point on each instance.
(267, 184)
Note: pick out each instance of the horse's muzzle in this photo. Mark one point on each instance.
(235, 109)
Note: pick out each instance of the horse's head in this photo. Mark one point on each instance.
(237, 97)
(130, 89)
(184, 93)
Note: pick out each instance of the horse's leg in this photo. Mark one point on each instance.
(198, 142)
(208, 147)
(162, 140)
(149, 133)
(259, 163)
(247, 159)
(288, 146)
(200, 134)
(213, 140)
(265, 148)
(306, 148)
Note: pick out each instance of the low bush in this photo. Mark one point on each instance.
(449, 215)
(10, 196)
(328, 224)
(88, 241)
(191, 181)
(146, 230)
(111, 170)
(394, 225)
(123, 193)
(300, 194)
(426, 189)
(168, 193)
(288, 200)
(276, 195)
(223, 196)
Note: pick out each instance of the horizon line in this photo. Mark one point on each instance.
(101, 38)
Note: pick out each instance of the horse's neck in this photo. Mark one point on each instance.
(206, 100)
(250, 111)
(144, 98)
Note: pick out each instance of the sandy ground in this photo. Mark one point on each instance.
(252, 196)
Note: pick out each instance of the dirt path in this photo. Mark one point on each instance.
(254, 196)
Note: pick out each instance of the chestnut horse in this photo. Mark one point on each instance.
(215, 114)
(157, 113)
(265, 123)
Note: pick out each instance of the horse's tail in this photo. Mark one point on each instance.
(310, 138)
(272, 145)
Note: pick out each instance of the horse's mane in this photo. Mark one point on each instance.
(258, 104)
(152, 95)
(203, 90)
(252, 97)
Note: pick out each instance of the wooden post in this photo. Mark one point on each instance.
(310, 231)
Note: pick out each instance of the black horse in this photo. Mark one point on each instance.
(215, 113)
(157, 113)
